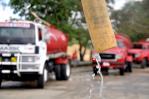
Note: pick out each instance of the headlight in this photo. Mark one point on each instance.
(137, 55)
(118, 56)
(1, 59)
(30, 58)
(13, 59)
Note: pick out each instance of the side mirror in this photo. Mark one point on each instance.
(46, 37)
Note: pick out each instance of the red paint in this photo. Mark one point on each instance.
(61, 60)
(140, 53)
(58, 42)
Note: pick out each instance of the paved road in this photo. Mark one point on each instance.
(130, 86)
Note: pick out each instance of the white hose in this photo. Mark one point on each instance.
(98, 60)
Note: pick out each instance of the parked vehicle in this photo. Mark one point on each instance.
(127, 41)
(140, 53)
(117, 58)
(29, 51)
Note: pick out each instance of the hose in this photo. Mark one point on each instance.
(101, 80)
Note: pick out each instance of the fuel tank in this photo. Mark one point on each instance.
(58, 41)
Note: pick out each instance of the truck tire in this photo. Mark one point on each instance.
(42, 79)
(65, 71)
(62, 72)
(128, 67)
(122, 71)
(0, 83)
(147, 63)
(57, 72)
(0, 79)
(143, 63)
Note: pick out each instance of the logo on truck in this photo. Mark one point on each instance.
(9, 48)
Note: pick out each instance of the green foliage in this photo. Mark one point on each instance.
(66, 15)
(61, 13)
(56, 12)
(133, 20)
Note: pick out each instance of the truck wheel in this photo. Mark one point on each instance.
(147, 63)
(0, 83)
(58, 72)
(143, 63)
(62, 72)
(128, 67)
(122, 71)
(0, 79)
(46, 75)
(65, 72)
(42, 79)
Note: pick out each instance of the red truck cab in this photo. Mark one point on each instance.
(140, 53)
(116, 58)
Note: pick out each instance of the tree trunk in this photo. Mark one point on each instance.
(80, 52)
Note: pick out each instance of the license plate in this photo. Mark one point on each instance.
(106, 64)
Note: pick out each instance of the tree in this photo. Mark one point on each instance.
(133, 19)
(67, 15)
(3, 4)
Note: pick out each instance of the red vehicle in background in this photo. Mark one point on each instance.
(140, 53)
(117, 58)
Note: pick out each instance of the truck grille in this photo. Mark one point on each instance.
(24, 67)
(131, 54)
(27, 58)
(107, 56)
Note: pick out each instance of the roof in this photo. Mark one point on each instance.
(18, 22)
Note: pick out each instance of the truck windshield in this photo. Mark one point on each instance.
(17, 35)
(120, 44)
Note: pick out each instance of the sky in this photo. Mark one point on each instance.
(7, 12)
(119, 4)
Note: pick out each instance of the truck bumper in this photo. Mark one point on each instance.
(24, 76)
(12, 72)
(111, 64)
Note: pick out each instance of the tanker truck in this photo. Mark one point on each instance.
(29, 51)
